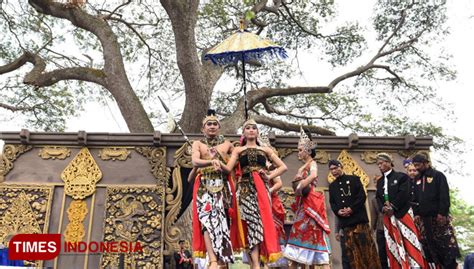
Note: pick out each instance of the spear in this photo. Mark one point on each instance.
(175, 122)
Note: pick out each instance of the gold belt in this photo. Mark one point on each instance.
(211, 188)
(210, 173)
(250, 169)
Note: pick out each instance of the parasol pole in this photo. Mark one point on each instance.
(245, 89)
(242, 27)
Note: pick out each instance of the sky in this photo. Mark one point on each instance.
(106, 118)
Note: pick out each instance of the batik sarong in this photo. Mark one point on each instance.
(403, 246)
(214, 207)
(439, 241)
(360, 247)
(256, 215)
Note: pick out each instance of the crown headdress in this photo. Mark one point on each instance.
(264, 140)
(211, 116)
(305, 140)
(249, 122)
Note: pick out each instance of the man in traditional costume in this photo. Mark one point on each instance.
(213, 197)
(347, 198)
(432, 213)
(394, 200)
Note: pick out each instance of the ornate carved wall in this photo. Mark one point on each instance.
(133, 187)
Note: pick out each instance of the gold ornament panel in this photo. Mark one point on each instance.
(135, 214)
(284, 152)
(322, 156)
(53, 153)
(81, 175)
(157, 159)
(408, 154)
(9, 155)
(114, 153)
(76, 213)
(24, 209)
(351, 167)
(182, 157)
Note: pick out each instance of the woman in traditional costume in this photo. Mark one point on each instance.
(308, 242)
(260, 236)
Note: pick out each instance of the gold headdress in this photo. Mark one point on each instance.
(264, 140)
(305, 141)
(211, 116)
(249, 122)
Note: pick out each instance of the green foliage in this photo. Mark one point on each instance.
(374, 103)
(463, 221)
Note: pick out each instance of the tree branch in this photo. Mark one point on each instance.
(299, 24)
(17, 63)
(271, 109)
(387, 68)
(15, 108)
(259, 95)
(37, 76)
(282, 125)
(117, 8)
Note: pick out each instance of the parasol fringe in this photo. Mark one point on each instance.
(259, 54)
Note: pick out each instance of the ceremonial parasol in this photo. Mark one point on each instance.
(244, 46)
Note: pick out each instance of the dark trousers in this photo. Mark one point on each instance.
(381, 246)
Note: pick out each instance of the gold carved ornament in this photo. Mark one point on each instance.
(174, 231)
(369, 157)
(284, 152)
(157, 159)
(53, 153)
(134, 214)
(80, 177)
(114, 154)
(24, 209)
(9, 155)
(76, 213)
(351, 167)
(408, 154)
(322, 156)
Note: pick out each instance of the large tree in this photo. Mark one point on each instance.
(55, 56)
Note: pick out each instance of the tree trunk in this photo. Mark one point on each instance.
(183, 15)
(116, 79)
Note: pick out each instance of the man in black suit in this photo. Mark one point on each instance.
(393, 199)
(183, 257)
(347, 198)
(432, 214)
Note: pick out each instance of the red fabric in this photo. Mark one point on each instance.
(236, 233)
(278, 216)
(403, 242)
(315, 206)
(199, 246)
(270, 247)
